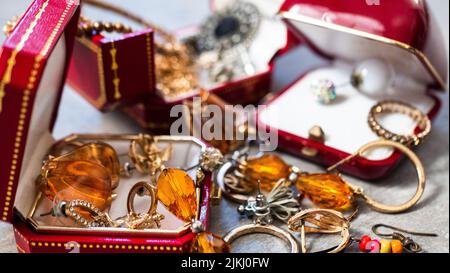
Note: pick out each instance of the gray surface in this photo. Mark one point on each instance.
(432, 213)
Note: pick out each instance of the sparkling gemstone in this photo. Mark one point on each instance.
(327, 191)
(84, 180)
(176, 190)
(100, 153)
(325, 91)
(268, 169)
(206, 242)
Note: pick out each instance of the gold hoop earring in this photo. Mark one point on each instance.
(326, 222)
(331, 191)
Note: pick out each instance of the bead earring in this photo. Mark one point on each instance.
(371, 77)
(331, 191)
(238, 177)
(183, 197)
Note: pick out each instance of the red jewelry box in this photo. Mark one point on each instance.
(33, 65)
(402, 33)
(109, 72)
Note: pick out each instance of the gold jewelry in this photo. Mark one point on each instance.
(423, 122)
(266, 229)
(332, 192)
(175, 70)
(88, 215)
(324, 221)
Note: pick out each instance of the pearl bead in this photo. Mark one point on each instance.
(373, 77)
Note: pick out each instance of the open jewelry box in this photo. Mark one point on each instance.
(269, 40)
(401, 34)
(33, 66)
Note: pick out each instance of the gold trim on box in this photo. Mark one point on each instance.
(12, 59)
(416, 52)
(69, 246)
(26, 94)
(115, 69)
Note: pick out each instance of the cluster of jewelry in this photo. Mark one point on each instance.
(241, 174)
(221, 46)
(81, 173)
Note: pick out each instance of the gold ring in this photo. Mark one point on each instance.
(149, 191)
(266, 229)
(421, 177)
(326, 222)
(423, 122)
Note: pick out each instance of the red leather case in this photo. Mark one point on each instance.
(403, 25)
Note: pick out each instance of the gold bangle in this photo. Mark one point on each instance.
(266, 229)
(423, 122)
(326, 222)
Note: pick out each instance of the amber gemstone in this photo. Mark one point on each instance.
(327, 191)
(268, 169)
(100, 153)
(176, 190)
(206, 242)
(84, 180)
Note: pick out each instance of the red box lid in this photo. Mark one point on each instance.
(402, 31)
(33, 66)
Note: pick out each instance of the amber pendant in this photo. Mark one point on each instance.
(73, 180)
(268, 169)
(327, 191)
(176, 190)
(206, 242)
(100, 153)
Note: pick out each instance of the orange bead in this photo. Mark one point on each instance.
(327, 191)
(396, 246)
(100, 153)
(268, 169)
(206, 242)
(176, 190)
(84, 180)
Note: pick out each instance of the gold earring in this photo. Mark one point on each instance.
(331, 191)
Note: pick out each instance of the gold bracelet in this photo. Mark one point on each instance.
(423, 122)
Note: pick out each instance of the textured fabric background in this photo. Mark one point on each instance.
(431, 214)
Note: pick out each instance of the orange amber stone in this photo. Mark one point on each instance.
(176, 190)
(268, 168)
(84, 180)
(206, 242)
(100, 153)
(327, 191)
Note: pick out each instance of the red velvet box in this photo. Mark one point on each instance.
(109, 72)
(33, 65)
(401, 33)
(153, 111)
